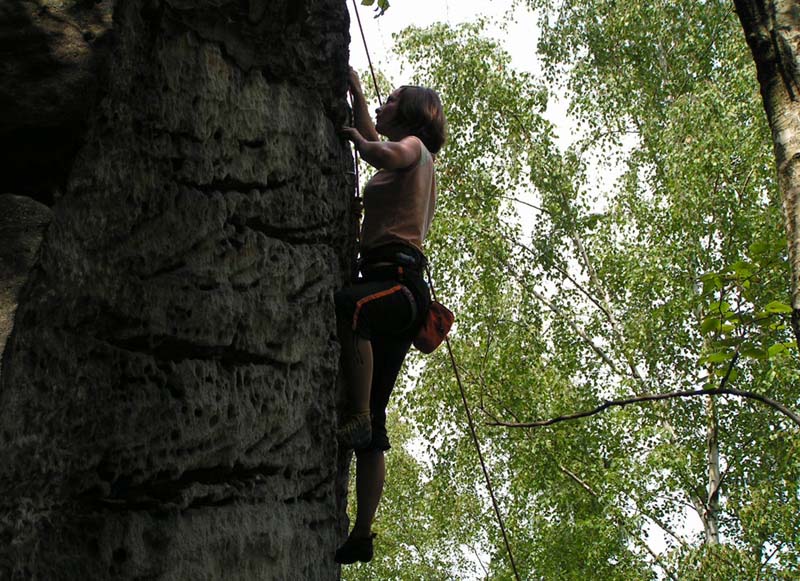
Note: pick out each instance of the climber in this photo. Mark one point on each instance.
(380, 312)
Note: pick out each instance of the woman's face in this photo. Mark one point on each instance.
(386, 122)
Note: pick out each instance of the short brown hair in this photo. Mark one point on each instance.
(420, 110)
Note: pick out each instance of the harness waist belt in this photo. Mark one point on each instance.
(398, 254)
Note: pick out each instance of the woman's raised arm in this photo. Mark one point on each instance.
(362, 120)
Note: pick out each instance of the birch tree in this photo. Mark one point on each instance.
(772, 29)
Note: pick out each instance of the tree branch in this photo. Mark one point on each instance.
(582, 255)
(563, 273)
(524, 203)
(769, 558)
(656, 397)
(579, 330)
(613, 510)
(480, 561)
(658, 561)
(657, 521)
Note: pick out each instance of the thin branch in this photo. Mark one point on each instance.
(769, 558)
(596, 136)
(714, 487)
(575, 326)
(595, 279)
(620, 518)
(658, 561)
(739, 191)
(580, 482)
(659, 523)
(656, 397)
(524, 203)
(563, 469)
(565, 274)
(480, 561)
(675, 501)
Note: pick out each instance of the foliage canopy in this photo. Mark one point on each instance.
(572, 287)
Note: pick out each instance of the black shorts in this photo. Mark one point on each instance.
(384, 306)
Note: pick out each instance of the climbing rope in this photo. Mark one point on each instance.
(366, 51)
(475, 441)
(470, 421)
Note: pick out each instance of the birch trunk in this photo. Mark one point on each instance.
(772, 29)
(711, 518)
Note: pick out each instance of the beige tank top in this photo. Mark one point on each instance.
(399, 204)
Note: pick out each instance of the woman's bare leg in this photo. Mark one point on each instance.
(357, 362)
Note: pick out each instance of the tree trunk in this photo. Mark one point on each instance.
(711, 517)
(707, 506)
(168, 391)
(772, 29)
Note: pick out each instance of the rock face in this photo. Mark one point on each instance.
(53, 60)
(22, 224)
(168, 393)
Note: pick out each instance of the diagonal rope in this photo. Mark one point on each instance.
(470, 421)
(474, 434)
(366, 51)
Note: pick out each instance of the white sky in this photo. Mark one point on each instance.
(519, 39)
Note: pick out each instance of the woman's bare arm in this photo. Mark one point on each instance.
(385, 154)
(362, 120)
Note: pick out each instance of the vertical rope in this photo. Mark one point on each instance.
(356, 215)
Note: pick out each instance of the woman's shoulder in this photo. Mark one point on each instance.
(422, 156)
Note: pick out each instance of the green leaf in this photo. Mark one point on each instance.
(711, 282)
(778, 307)
(720, 356)
(777, 349)
(754, 353)
(759, 248)
(709, 324)
(383, 6)
(719, 307)
(742, 268)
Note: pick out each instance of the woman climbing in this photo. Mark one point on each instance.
(380, 313)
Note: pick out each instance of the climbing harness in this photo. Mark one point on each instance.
(470, 420)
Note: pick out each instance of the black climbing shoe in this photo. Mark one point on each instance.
(355, 549)
(356, 432)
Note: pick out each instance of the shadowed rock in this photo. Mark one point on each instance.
(167, 403)
(22, 224)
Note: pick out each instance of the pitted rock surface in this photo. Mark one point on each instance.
(23, 221)
(167, 405)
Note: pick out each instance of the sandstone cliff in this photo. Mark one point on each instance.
(168, 391)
